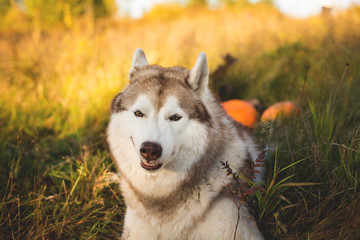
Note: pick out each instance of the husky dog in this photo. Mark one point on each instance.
(168, 135)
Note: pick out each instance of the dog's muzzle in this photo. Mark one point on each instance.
(150, 151)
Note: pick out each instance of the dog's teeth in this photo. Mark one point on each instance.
(150, 164)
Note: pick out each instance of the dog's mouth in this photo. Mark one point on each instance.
(150, 166)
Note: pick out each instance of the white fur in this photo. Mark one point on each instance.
(139, 60)
(199, 76)
(174, 137)
(206, 214)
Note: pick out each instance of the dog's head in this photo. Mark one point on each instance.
(160, 120)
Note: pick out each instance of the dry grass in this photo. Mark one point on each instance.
(56, 86)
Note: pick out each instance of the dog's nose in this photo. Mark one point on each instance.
(150, 151)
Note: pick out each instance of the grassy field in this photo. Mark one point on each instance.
(56, 85)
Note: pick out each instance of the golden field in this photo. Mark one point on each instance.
(57, 82)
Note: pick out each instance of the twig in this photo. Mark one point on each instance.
(297, 114)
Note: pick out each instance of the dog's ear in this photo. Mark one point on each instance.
(139, 60)
(199, 75)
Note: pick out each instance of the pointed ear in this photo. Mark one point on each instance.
(199, 75)
(139, 60)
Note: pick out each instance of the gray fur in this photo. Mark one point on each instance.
(189, 208)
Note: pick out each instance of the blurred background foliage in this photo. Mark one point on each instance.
(55, 12)
(62, 62)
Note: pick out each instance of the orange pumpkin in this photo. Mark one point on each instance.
(279, 110)
(241, 111)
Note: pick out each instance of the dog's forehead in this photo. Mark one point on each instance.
(160, 83)
(158, 72)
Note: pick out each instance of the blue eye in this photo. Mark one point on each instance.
(138, 113)
(175, 117)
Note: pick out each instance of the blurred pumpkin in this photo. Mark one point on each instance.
(279, 110)
(241, 111)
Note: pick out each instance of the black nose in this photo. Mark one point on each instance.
(150, 151)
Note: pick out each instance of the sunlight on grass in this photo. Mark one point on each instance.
(57, 83)
(64, 78)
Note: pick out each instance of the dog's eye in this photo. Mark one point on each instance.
(138, 113)
(175, 117)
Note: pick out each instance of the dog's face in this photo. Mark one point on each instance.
(158, 134)
(159, 121)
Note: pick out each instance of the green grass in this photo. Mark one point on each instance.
(313, 179)
(56, 85)
(75, 196)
